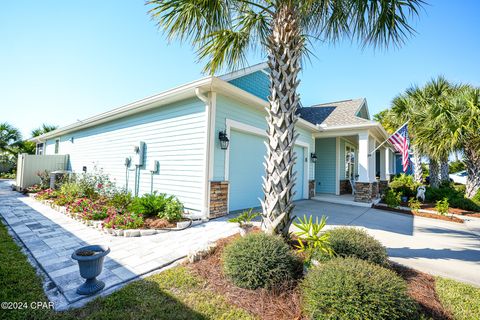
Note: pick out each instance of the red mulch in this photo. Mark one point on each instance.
(157, 223)
(431, 206)
(421, 287)
(285, 303)
(421, 214)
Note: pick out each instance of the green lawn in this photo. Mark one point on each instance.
(173, 294)
(461, 299)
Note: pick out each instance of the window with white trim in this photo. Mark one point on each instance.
(349, 161)
(39, 150)
(57, 145)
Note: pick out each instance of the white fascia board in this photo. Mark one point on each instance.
(166, 97)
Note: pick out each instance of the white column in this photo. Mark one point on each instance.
(388, 163)
(363, 157)
(372, 160)
(383, 163)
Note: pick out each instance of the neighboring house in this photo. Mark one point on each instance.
(181, 131)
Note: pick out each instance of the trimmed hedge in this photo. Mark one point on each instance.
(260, 261)
(350, 288)
(353, 242)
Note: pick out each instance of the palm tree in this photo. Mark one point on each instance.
(465, 134)
(44, 128)
(434, 133)
(225, 31)
(9, 138)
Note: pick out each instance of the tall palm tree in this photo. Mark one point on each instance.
(465, 134)
(9, 138)
(225, 31)
(44, 128)
(434, 133)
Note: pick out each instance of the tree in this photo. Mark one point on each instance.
(9, 138)
(44, 128)
(464, 130)
(225, 31)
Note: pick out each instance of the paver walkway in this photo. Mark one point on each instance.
(51, 237)
(438, 247)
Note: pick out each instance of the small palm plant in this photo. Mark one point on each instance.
(311, 238)
(244, 220)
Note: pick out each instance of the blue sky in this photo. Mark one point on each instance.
(66, 60)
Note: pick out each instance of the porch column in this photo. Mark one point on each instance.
(388, 164)
(383, 163)
(366, 185)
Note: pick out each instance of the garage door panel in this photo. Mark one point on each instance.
(247, 152)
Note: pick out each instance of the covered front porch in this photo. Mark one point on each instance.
(352, 164)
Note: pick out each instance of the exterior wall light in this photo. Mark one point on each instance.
(224, 141)
(313, 156)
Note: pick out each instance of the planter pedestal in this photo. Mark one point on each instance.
(90, 268)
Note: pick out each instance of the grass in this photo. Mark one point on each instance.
(461, 299)
(173, 294)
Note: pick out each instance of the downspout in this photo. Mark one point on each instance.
(208, 115)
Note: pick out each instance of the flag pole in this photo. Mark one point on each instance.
(381, 144)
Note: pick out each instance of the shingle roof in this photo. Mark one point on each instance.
(332, 114)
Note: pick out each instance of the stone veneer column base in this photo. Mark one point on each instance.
(382, 186)
(345, 187)
(366, 191)
(218, 199)
(311, 189)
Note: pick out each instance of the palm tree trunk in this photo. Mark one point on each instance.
(472, 163)
(444, 171)
(433, 166)
(285, 47)
(417, 165)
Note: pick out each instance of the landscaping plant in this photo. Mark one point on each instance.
(44, 177)
(122, 220)
(46, 194)
(350, 288)
(88, 209)
(414, 204)
(121, 199)
(354, 242)
(405, 185)
(245, 218)
(173, 210)
(149, 205)
(442, 207)
(392, 198)
(311, 238)
(259, 260)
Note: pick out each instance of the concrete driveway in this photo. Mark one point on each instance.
(437, 247)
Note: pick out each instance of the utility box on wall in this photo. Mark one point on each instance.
(138, 152)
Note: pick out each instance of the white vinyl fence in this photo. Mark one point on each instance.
(29, 164)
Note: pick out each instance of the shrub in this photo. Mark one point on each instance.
(122, 220)
(149, 205)
(442, 206)
(405, 185)
(260, 261)
(414, 204)
(95, 184)
(173, 210)
(70, 189)
(121, 200)
(34, 189)
(44, 177)
(311, 238)
(349, 288)
(352, 242)
(455, 196)
(392, 198)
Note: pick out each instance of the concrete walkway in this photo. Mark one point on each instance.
(437, 247)
(50, 238)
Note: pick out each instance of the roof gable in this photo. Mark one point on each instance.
(254, 80)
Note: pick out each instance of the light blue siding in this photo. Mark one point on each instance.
(246, 155)
(363, 112)
(234, 110)
(325, 172)
(174, 135)
(257, 83)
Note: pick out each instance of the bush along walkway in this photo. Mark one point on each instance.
(51, 237)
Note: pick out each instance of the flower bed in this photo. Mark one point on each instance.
(419, 213)
(94, 200)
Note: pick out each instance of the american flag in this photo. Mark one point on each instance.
(401, 142)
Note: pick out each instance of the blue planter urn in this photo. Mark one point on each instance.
(90, 262)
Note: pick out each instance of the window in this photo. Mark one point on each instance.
(39, 150)
(349, 162)
(57, 145)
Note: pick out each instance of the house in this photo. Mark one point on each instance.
(176, 142)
